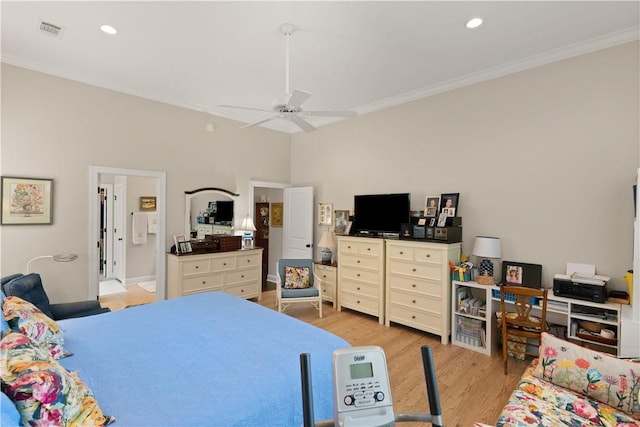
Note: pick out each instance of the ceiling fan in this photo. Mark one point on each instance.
(291, 110)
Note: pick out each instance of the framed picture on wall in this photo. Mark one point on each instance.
(325, 214)
(147, 203)
(27, 201)
(276, 214)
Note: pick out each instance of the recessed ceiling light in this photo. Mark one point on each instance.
(474, 22)
(108, 29)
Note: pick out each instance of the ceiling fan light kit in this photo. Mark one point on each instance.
(291, 110)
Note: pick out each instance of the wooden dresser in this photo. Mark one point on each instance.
(361, 275)
(418, 285)
(235, 272)
(327, 276)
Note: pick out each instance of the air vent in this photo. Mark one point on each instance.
(51, 29)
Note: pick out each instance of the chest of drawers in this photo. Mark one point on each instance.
(418, 285)
(235, 272)
(361, 275)
(327, 275)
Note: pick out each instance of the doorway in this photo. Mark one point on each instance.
(97, 176)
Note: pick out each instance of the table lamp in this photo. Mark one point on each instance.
(248, 228)
(327, 242)
(486, 248)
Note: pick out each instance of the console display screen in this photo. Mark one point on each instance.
(361, 370)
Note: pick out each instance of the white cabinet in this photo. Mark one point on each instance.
(235, 272)
(361, 275)
(470, 318)
(327, 276)
(418, 285)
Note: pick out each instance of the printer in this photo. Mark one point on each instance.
(592, 289)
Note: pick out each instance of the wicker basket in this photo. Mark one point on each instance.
(591, 326)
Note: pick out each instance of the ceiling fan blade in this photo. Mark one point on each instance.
(344, 113)
(302, 124)
(245, 108)
(257, 123)
(297, 98)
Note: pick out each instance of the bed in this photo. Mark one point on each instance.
(207, 359)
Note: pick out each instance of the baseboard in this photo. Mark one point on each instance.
(134, 280)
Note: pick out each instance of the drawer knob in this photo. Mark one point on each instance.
(241, 291)
(248, 260)
(358, 288)
(358, 275)
(197, 266)
(413, 317)
(324, 276)
(428, 255)
(242, 276)
(368, 249)
(413, 285)
(358, 261)
(413, 301)
(224, 263)
(204, 282)
(358, 302)
(413, 269)
(401, 252)
(348, 247)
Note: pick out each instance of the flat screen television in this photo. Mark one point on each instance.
(224, 213)
(381, 213)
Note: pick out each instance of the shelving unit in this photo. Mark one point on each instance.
(471, 316)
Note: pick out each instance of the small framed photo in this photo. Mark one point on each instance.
(325, 214)
(442, 219)
(27, 201)
(449, 201)
(340, 220)
(406, 230)
(147, 203)
(431, 205)
(183, 245)
(432, 222)
(422, 221)
(522, 274)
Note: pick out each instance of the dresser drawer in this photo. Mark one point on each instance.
(198, 266)
(360, 261)
(241, 276)
(360, 288)
(249, 260)
(400, 252)
(327, 292)
(415, 301)
(423, 320)
(422, 270)
(248, 290)
(372, 247)
(426, 287)
(360, 303)
(224, 263)
(211, 282)
(326, 274)
(360, 275)
(430, 255)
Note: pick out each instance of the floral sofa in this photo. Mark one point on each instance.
(573, 386)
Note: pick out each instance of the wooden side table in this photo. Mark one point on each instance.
(327, 274)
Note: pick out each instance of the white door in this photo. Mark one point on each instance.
(118, 232)
(298, 223)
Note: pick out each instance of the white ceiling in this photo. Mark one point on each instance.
(349, 55)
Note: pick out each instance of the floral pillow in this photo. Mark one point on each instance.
(42, 390)
(296, 277)
(599, 376)
(27, 319)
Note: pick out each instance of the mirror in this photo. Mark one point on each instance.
(208, 211)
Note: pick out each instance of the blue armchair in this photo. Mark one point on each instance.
(29, 288)
(298, 285)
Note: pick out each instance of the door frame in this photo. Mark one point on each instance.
(161, 190)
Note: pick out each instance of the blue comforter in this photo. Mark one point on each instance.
(203, 360)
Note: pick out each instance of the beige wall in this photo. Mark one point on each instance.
(57, 128)
(543, 159)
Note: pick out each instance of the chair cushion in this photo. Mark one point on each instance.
(29, 288)
(25, 318)
(599, 376)
(299, 293)
(296, 277)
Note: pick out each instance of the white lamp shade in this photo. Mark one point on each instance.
(327, 240)
(487, 247)
(247, 225)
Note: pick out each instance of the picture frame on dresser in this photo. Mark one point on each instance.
(449, 203)
(431, 205)
(341, 220)
(522, 274)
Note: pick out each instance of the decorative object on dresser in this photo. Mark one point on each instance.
(522, 274)
(486, 248)
(297, 282)
(327, 242)
(449, 204)
(248, 228)
(361, 275)
(341, 221)
(519, 326)
(418, 285)
(431, 205)
(236, 272)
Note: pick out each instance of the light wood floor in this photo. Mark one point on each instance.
(472, 386)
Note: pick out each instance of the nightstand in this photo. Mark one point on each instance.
(327, 274)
